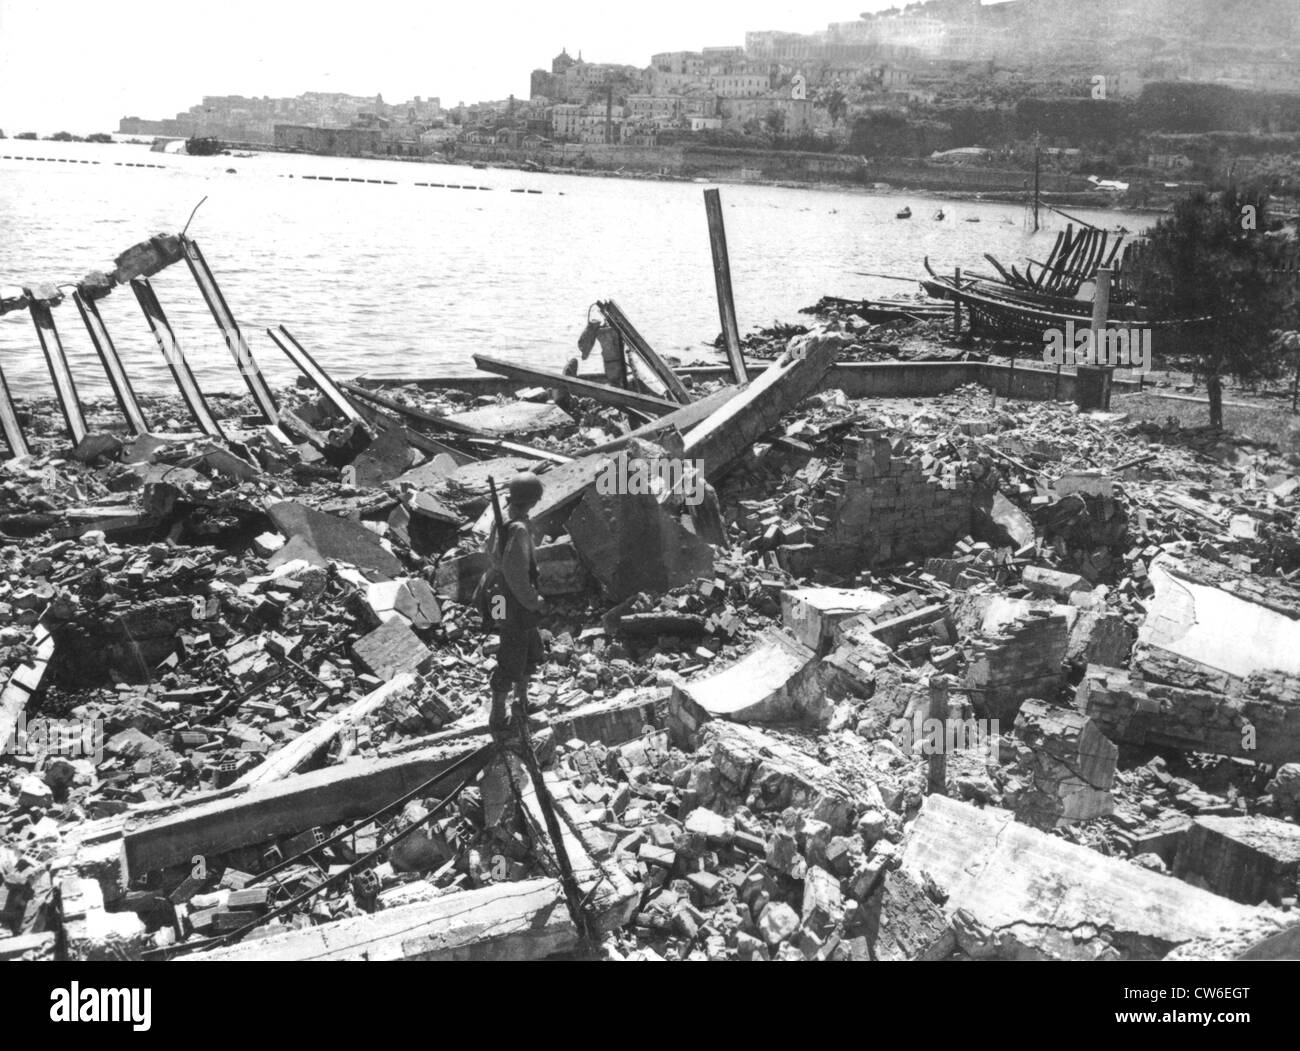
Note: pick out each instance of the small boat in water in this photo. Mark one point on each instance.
(972, 218)
(938, 215)
(906, 213)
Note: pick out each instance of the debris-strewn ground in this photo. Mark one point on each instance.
(220, 655)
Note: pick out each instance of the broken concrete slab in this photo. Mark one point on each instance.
(1017, 893)
(631, 545)
(1248, 859)
(334, 538)
(1054, 584)
(1090, 483)
(28, 947)
(417, 603)
(1206, 624)
(614, 720)
(780, 680)
(768, 775)
(507, 921)
(1069, 763)
(724, 436)
(811, 614)
(1095, 636)
(21, 684)
(147, 258)
(391, 649)
(514, 417)
(902, 923)
(1000, 522)
(384, 459)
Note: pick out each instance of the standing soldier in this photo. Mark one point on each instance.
(612, 352)
(516, 605)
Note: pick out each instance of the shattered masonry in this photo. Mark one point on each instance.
(270, 628)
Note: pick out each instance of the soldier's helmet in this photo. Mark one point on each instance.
(525, 489)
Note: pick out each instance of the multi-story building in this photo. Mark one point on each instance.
(594, 123)
(689, 63)
(741, 85)
(345, 142)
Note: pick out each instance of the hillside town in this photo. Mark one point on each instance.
(1111, 88)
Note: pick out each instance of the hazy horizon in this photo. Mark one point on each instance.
(83, 72)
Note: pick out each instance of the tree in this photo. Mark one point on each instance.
(775, 121)
(1210, 261)
(837, 105)
(63, 136)
(99, 136)
(25, 135)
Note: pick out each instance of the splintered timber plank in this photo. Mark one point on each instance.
(117, 376)
(230, 329)
(175, 358)
(9, 421)
(722, 282)
(615, 316)
(600, 392)
(64, 387)
(296, 353)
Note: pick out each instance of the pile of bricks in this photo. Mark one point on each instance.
(883, 506)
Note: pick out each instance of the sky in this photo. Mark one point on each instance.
(81, 65)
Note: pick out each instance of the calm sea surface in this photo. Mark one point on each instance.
(403, 280)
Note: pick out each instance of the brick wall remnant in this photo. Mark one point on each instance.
(885, 506)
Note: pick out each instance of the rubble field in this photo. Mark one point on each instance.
(905, 679)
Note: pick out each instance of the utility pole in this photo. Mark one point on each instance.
(1035, 189)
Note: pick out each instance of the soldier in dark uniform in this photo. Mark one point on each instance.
(521, 644)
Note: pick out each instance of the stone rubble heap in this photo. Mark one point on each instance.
(213, 658)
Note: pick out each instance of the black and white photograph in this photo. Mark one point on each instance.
(757, 482)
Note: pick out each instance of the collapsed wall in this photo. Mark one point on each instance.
(883, 506)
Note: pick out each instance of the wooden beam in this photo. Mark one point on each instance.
(117, 377)
(295, 352)
(217, 822)
(225, 319)
(527, 920)
(615, 316)
(600, 392)
(65, 388)
(13, 433)
(175, 358)
(722, 282)
(298, 751)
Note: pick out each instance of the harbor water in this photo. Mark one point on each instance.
(377, 275)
